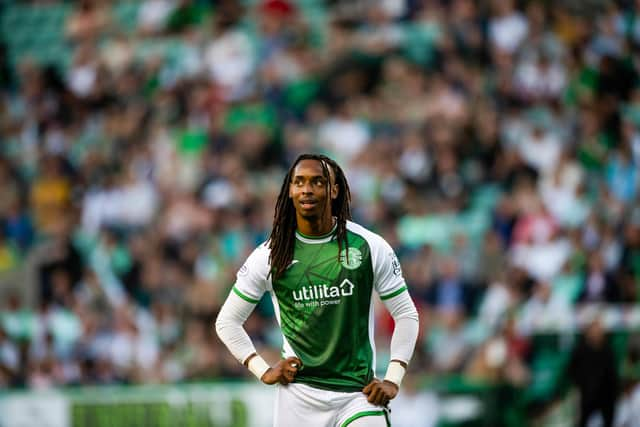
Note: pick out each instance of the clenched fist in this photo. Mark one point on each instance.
(282, 372)
(380, 392)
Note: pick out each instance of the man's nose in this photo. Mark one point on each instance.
(307, 188)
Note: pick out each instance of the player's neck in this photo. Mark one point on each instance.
(315, 226)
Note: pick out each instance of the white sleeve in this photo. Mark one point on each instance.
(387, 273)
(251, 283)
(405, 332)
(233, 314)
(391, 287)
(252, 280)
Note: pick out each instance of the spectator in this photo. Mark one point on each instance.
(50, 194)
(185, 15)
(450, 292)
(501, 359)
(88, 21)
(8, 360)
(544, 312)
(230, 58)
(448, 342)
(599, 286)
(598, 387)
(507, 26)
(342, 134)
(153, 15)
(495, 146)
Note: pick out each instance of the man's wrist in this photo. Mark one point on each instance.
(248, 358)
(395, 372)
(257, 365)
(396, 386)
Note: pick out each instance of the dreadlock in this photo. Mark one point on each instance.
(282, 237)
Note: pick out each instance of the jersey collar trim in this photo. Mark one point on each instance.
(317, 239)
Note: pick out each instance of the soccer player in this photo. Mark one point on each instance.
(321, 270)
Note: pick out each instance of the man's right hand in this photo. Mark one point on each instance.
(282, 372)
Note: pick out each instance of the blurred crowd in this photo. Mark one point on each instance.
(494, 144)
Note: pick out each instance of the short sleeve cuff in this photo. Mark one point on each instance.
(245, 296)
(393, 293)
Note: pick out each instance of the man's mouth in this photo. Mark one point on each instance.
(308, 204)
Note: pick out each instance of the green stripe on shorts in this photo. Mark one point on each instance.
(244, 297)
(360, 415)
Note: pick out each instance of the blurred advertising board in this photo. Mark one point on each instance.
(198, 405)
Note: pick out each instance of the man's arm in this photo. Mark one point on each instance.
(403, 341)
(233, 314)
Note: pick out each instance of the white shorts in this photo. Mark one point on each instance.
(302, 405)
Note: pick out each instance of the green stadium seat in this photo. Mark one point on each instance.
(36, 31)
(547, 376)
(125, 15)
(619, 341)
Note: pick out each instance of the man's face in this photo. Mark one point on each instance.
(308, 190)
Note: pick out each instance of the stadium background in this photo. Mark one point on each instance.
(494, 144)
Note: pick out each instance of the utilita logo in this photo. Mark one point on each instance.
(317, 293)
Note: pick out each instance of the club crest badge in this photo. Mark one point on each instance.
(351, 258)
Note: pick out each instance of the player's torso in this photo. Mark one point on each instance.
(324, 302)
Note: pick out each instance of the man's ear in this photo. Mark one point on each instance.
(334, 191)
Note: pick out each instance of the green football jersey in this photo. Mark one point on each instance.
(324, 304)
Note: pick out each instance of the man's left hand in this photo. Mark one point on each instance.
(380, 392)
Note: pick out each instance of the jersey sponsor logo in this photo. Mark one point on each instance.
(351, 258)
(315, 295)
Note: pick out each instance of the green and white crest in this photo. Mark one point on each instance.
(353, 260)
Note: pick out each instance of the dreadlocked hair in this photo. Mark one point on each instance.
(282, 237)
